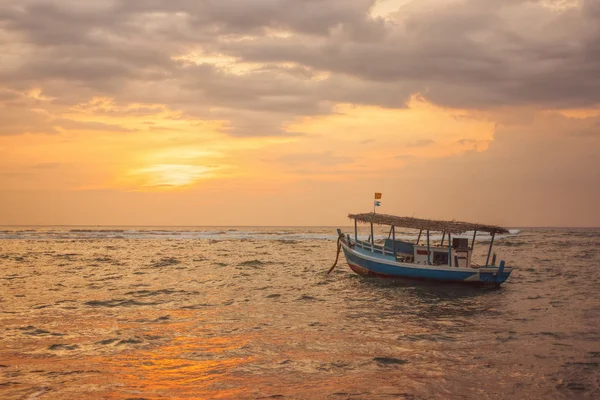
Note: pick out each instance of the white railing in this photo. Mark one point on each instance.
(374, 248)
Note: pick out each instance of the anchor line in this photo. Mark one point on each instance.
(337, 256)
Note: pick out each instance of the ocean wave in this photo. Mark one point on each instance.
(283, 235)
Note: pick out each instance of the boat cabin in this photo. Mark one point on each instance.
(438, 255)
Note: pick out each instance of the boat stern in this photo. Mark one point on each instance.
(494, 275)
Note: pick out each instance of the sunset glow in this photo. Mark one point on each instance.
(356, 95)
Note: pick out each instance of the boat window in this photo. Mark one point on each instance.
(460, 243)
(440, 258)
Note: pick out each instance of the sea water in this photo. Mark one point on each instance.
(245, 313)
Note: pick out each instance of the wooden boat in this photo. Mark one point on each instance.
(450, 262)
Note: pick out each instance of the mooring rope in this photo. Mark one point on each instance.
(337, 256)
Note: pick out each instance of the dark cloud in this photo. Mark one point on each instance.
(467, 54)
(312, 17)
(464, 54)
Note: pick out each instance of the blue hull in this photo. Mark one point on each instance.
(372, 264)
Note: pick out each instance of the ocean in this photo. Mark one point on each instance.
(249, 313)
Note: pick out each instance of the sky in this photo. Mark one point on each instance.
(294, 112)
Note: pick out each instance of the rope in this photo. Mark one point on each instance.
(337, 256)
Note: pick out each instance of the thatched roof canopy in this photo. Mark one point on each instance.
(455, 227)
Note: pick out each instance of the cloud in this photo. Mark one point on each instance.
(302, 57)
(466, 141)
(17, 120)
(318, 159)
(534, 173)
(88, 125)
(48, 165)
(421, 143)
(8, 95)
(470, 53)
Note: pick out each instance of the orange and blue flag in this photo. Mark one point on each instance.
(377, 196)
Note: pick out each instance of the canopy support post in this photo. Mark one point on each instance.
(372, 238)
(428, 250)
(473, 242)
(390, 234)
(419, 238)
(355, 231)
(394, 241)
(449, 249)
(490, 250)
(443, 236)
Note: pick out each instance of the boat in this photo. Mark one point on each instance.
(400, 259)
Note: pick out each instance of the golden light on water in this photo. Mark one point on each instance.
(184, 367)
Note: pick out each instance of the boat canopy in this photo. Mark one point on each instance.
(455, 227)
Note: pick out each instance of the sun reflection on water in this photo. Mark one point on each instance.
(190, 363)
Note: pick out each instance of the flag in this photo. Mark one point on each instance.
(377, 203)
(377, 196)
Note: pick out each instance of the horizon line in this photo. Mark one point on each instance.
(255, 226)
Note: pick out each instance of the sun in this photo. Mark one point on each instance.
(169, 175)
